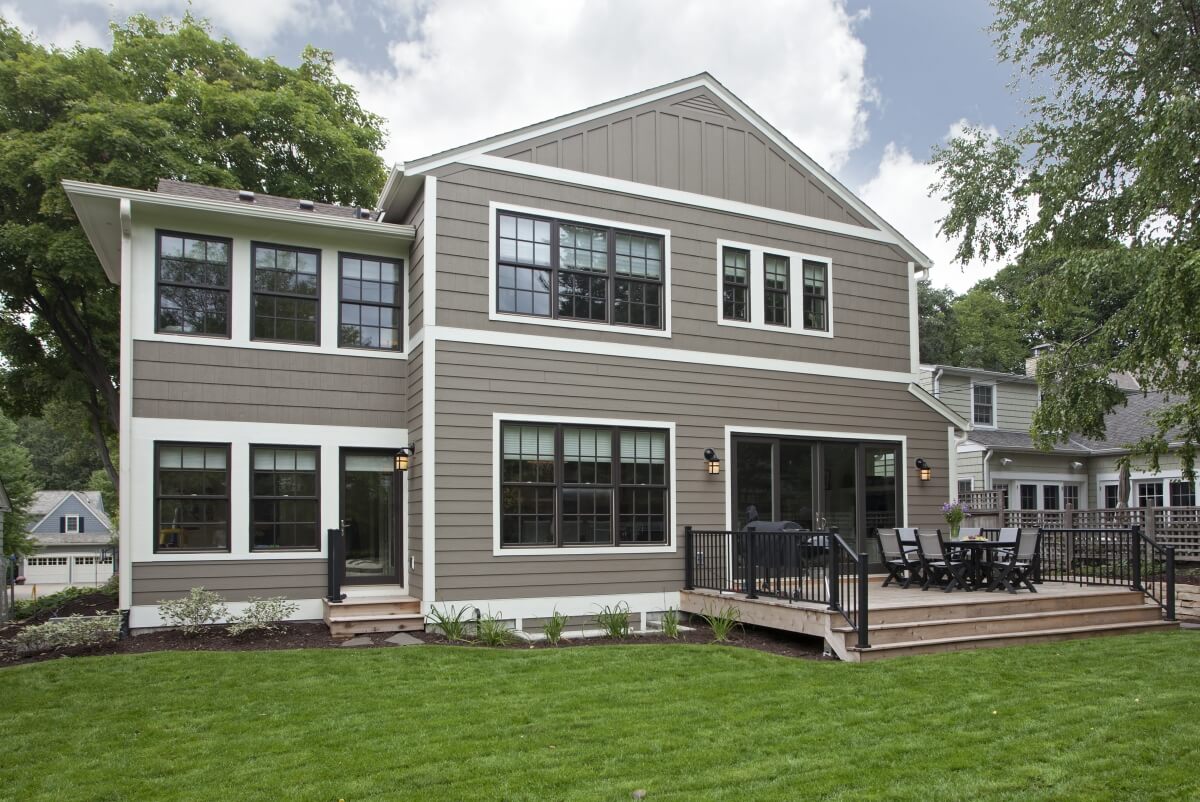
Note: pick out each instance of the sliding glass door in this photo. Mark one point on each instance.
(818, 484)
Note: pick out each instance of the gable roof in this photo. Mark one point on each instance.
(715, 99)
(46, 502)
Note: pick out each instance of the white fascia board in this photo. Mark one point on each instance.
(938, 406)
(662, 354)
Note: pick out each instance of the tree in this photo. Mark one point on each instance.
(1100, 184)
(15, 475)
(168, 101)
(60, 447)
(937, 325)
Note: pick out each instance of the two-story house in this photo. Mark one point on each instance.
(516, 381)
(74, 538)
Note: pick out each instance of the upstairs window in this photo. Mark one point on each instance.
(286, 285)
(72, 523)
(983, 404)
(568, 271)
(776, 290)
(192, 295)
(816, 295)
(371, 314)
(736, 284)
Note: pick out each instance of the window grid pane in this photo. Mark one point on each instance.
(192, 500)
(193, 285)
(370, 314)
(1183, 494)
(736, 284)
(983, 395)
(284, 499)
(777, 281)
(816, 296)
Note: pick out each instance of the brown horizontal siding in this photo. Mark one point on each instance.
(476, 381)
(414, 481)
(235, 580)
(870, 279)
(205, 382)
(416, 268)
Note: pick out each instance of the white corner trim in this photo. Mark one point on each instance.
(938, 406)
(914, 329)
(429, 260)
(664, 354)
(813, 434)
(757, 289)
(631, 551)
(681, 197)
(125, 431)
(995, 403)
(952, 463)
(494, 313)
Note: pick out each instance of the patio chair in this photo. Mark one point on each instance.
(938, 565)
(1009, 535)
(902, 566)
(1018, 568)
(908, 541)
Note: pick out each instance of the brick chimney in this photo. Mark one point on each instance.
(1031, 361)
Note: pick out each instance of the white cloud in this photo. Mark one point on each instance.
(899, 191)
(65, 34)
(470, 69)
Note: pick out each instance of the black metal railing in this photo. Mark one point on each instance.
(789, 565)
(1117, 557)
(335, 551)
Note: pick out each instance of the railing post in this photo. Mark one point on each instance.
(335, 561)
(861, 617)
(751, 586)
(1170, 583)
(689, 557)
(831, 573)
(1135, 557)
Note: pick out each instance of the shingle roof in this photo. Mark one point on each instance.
(46, 501)
(168, 186)
(1004, 438)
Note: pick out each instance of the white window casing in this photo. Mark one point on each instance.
(758, 285)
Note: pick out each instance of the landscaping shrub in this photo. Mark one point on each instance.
(722, 622)
(450, 621)
(28, 608)
(614, 620)
(490, 630)
(553, 628)
(71, 632)
(670, 623)
(262, 615)
(191, 614)
(111, 587)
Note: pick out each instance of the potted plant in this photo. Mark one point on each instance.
(954, 512)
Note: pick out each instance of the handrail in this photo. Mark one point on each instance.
(335, 544)
(790, 565)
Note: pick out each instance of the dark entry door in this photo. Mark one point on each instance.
(371, 517)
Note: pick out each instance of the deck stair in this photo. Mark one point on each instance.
(368, 614)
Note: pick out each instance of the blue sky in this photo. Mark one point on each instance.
(866, 87)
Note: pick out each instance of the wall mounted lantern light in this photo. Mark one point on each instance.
(403, 456)
(712, 464)
(923, 470)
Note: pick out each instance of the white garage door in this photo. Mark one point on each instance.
(47, 570)
(91, 570)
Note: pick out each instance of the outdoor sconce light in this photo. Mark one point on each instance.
(403, 456)
(712, 464)
(923, 470)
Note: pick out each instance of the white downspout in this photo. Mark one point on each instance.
(937, 384)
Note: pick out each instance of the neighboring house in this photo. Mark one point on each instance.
(548, 329)
(1079, 473)
(74, 539)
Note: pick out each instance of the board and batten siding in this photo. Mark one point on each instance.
(691, 141)
(235, 580)
(869, 279)
(475, 381)
(203, 382)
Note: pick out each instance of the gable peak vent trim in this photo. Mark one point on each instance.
(703, 103)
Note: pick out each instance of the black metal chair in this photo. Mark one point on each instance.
(902, 566)
(939, 566)
(1017, 569)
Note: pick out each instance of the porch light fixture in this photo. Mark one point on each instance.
(924, 472)
(403, 456)
(712, 464)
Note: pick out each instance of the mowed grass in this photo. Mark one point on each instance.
(1106, 719)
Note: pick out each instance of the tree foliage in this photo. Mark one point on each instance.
(60, 447)
(1099, 191)
(167, 101)
(16, 474)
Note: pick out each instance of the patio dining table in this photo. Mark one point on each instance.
(975, 550)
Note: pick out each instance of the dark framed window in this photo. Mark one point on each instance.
(1112, 497)
(286, 294)
(816, 295)
(1150, 494)
(191, 497)
(285, 503)
(1070, 497)
(1050, 497)
(371, 292)
(564, 485)
(777, 289)
(573, 271)
(983, 404)
(964, 487)
(1183, 494)
(735, 284)
(192, 293)
(1029, 497)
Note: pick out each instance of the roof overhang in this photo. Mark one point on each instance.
(399, 192)
(98, 207)
(937, 405)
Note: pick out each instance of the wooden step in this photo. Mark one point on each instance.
(906, 648)
(960, 604)
(909, 631)
(360, 624)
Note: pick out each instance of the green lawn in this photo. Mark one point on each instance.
(1107, 719)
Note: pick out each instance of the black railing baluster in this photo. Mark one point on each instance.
(860, 607)
(1170, 611)
(1135, 553)
(335, 563)
(689, 565)
(750, 590)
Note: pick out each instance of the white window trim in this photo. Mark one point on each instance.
(758, 303)
(145, 288)
(995, 406)
(1041, 482)
(631, 551)
(970, 480)
(495, 314)
(68, 520)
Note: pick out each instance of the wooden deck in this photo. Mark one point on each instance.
(907, 622)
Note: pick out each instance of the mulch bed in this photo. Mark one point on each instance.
(316, 636)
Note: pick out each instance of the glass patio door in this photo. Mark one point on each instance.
(370, 517)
